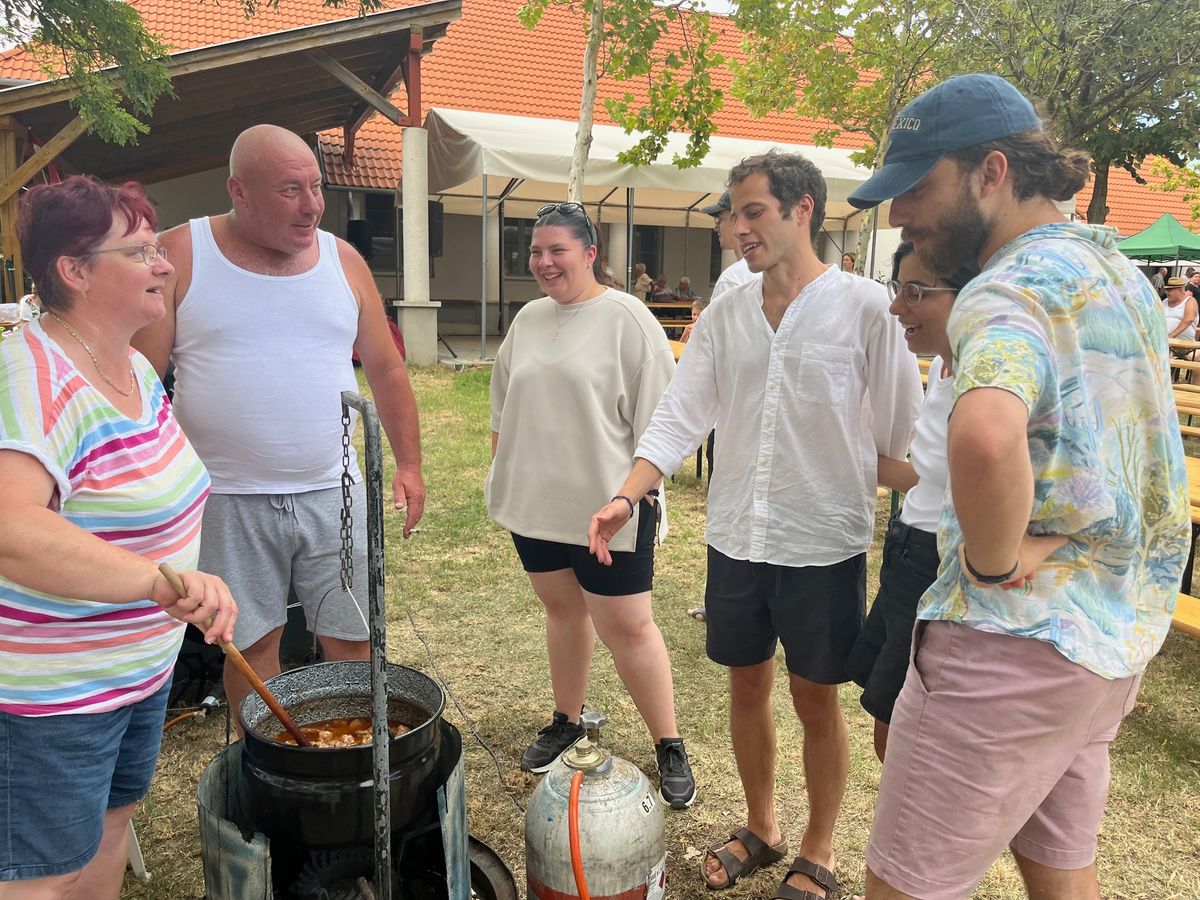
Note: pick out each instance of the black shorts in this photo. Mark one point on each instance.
(631, 572)
(816, 612)
(879, 659)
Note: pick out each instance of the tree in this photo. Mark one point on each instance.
(852, 64)
(80, 38)
(1107, 80)
(670, 48)
(1111, 78)
(1184, 180)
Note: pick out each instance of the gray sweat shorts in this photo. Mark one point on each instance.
(263, 543)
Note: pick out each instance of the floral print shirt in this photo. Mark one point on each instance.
(1061, 319)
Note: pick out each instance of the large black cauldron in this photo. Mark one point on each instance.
(304, 796)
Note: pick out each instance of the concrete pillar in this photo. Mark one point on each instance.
(416, 315)
(617, 248)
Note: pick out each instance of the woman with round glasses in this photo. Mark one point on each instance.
(575, 381)
(98, 486)
(878, 662)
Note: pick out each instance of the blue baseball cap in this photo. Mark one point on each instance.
(960, 112)
(723, 204)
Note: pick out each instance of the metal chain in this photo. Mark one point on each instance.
(347, 530)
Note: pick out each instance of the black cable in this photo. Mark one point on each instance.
(462, 712)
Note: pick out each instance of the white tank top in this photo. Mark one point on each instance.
(260, 364)
(1175, 316)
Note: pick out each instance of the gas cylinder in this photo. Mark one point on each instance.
(621, 843)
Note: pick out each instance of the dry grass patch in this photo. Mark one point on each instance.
(470, 602)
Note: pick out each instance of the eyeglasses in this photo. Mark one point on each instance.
(569, 209)
(911, 292)
(148, 252)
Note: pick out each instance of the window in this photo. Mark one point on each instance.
(648, 247)
(714, 259)
(517, 236)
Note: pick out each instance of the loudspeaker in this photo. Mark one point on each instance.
(358, 233)
(437, 227)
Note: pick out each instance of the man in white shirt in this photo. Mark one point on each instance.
(808, 383)
(739, 272)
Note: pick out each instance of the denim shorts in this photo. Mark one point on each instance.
(59, 775)
(879, 658)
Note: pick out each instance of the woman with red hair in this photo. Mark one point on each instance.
(98, 486)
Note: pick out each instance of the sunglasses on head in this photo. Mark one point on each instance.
(570, 209)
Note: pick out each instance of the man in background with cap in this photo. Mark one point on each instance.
(1065, 532)
(739, 272)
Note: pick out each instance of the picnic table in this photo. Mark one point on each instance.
(1183, 345)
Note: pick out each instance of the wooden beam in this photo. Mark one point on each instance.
(435, 15)
(356, 84)
(412, 74)
(38, 161)
(393, 72)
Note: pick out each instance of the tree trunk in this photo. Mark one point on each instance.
(866, 225)
(587, 102)
(1098, 209)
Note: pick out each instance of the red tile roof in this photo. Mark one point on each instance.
(1133, 207)
(489, 62)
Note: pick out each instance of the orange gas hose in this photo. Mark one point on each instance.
(180, 718)
(573, 832)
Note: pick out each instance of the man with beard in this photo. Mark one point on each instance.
(808, 382)
(1065, 534)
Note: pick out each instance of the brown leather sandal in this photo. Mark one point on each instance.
(819, 874)
(760, 854)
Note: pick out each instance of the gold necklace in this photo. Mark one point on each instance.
(82, 343)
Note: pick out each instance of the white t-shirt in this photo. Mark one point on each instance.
(801, 415)
(738, 273)
(923, 504)
(572, 391)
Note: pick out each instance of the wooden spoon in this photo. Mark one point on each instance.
(244, 667)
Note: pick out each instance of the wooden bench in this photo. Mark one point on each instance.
(1187, 615)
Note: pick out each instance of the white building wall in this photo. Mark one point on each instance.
(455, 276)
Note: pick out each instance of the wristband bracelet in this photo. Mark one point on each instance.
(989, 579)
(627, 500)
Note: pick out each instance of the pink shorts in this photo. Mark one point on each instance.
(995, 740)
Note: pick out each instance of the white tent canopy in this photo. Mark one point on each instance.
(464, 147)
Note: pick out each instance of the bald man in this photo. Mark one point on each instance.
(263, 313)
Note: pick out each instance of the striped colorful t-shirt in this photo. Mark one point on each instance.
(136, 483)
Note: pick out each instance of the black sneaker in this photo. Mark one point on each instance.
(557, 737)
(677, 785)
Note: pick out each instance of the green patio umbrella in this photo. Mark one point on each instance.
(1165, 240)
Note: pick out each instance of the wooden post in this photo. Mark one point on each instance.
(10, 289)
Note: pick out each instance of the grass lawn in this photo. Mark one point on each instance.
(461, 609)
